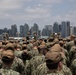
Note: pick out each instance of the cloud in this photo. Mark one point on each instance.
(4, 15)
(36, 10)
(40, 11)
(12, 4)
(32, 14)
(72, 0)
(71, 16)
(50, 1)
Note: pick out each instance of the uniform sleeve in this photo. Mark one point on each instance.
(20, 66)
(67, 71)
(73, 67)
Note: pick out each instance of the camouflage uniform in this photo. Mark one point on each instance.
(27, 68)
(48, 44)
(43, 70)
(8, 71)
(18, 53)
(29, 46)
(66, 54)
(69, 45)
(9, 61)
(33, 53)
(73, 67)
(72, 53)
(18, 65)
(26, 63)
(65, 57)
(36, 61)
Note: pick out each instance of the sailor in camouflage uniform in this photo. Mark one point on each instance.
(7, 59)
(37, 60)
(58, 48)
(17, 64)
(52, 66)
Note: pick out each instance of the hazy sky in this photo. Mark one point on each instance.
(42, 12)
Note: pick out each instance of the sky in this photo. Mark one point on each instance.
(42, 12)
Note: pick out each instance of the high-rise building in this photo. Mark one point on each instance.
(14, 30)
(39, 33)
(64, 29)
(55, 27)
(5, 30)
(68, 28)
(10, 32)
(74, 30)
(49, 30)
(59, 27)
(31, 31)
(44, 32)
(71, 30)
(35, 28)
(21, 30)
(1, 31)
(25, 29)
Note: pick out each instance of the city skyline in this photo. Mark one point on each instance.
(42, 12)
(64, 29)
(18, 26)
